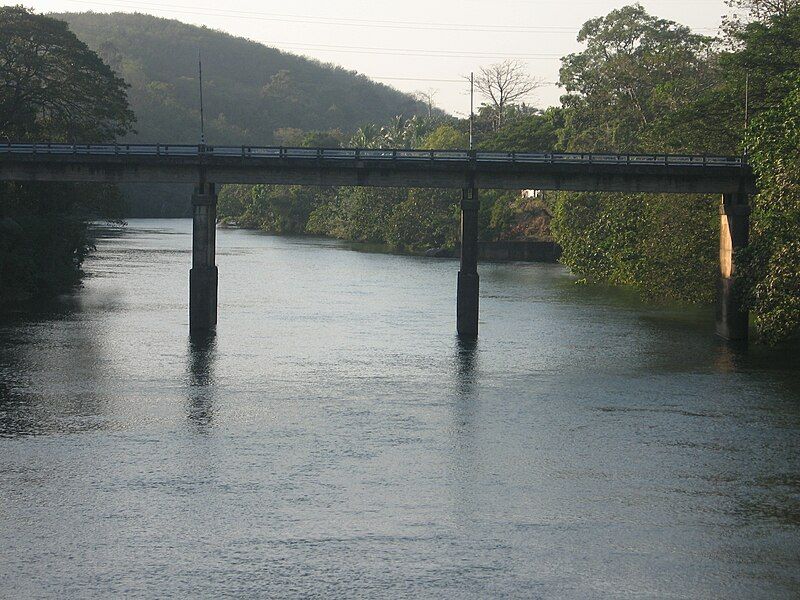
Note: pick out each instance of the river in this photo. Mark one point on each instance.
(336, 440)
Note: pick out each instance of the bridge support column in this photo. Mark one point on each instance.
(203, 274)
(732, 317)
(468, 281)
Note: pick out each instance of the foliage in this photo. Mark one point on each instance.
(645, 84)
(536, 132)
(659, 244)
(51, 87)
(446, 137)
(424, 219)
(272, 208)
(772, 261)
(636, 73)
(636, 69)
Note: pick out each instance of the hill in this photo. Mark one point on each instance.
(253, 94)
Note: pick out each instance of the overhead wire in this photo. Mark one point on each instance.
(335, 21)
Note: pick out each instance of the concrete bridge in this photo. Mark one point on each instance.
(206, 166)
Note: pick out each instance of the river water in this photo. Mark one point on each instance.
(336, 440)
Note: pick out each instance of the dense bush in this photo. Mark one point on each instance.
(772, 262)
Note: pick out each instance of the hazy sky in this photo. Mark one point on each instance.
(404, 42)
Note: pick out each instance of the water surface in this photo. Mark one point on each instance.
(335, 439)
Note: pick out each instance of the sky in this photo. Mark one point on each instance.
(413, 45)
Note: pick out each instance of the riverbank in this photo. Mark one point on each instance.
(491, 251)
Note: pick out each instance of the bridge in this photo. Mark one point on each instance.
(205, 166)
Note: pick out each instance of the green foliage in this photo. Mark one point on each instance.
(51, 87)
(359, 214)
(446, 137)
(637, 71)
(535, 132)
(661, 244)
(272, 208)
(772, 261)
(424, 219)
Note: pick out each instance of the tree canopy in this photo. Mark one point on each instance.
(52, 87)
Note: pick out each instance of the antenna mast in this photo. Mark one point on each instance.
(471, 106)
(202, 117)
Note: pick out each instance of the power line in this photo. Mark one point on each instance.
(459, 53)
(413, 52)
(349, 22)
(337, 21)
(422, 79)
(459, 81)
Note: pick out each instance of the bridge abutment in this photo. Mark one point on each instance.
(468, 280)
(732, 317)
(203, 275)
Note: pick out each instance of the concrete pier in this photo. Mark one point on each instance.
(468, 281)
(203, 274)
(732, 318)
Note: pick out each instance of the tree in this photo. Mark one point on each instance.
(763, 9)
(636, 73)
(530, 133)
(445, 137)
(503, 84)
(772, 261)
(636, 70)
(426, 97)
(52, 86)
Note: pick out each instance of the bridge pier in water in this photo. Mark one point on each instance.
(468, 281)
(732, 318)
(203, 275)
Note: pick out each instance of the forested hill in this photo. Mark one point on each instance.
(251, 91)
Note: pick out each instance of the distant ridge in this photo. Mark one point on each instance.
(251, 90)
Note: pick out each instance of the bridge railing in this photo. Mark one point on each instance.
(368, 154)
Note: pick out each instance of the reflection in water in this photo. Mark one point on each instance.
(202, 353)
(465, 467)
(465, 362)
(730, 356)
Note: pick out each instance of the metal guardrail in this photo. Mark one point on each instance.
(395, 155)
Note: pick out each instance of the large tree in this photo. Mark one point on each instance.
(51, 88)
(623, 92)
(636, 70)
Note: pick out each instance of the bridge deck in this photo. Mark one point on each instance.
(130, 163)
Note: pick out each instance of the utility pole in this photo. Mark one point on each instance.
(202, 117)
(471, 107)
(746, 108)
